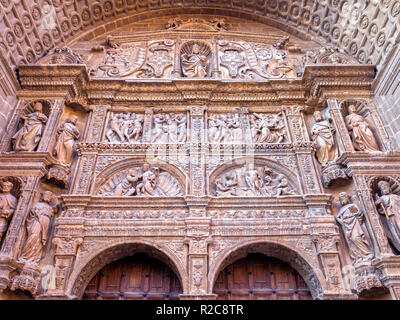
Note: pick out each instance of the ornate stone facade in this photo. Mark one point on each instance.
(204, 140)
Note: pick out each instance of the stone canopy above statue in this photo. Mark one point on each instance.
(209, 47)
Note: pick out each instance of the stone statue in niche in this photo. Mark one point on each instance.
(8, 203)
(28, 137)
(37, 229)
(388, 204)
(327, 152)
(125, 128)
(361, 135)
(169, 128)
(252, 181)
(145, 181)
(267, 128)
(225, 128)
(194, 60)
(323, 135)
(351, 219)
(67, 133)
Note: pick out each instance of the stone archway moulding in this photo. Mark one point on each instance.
(86, 267)
(309, 272)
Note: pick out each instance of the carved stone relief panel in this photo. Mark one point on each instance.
(142, 181)
(251, 180)
(195, 59)
(124, 127)
(169, 128)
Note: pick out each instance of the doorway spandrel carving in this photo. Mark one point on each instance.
(191, 143)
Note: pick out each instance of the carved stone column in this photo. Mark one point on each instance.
(380, 129)
(325, 235)
(379, 239)
(176, 71)
(12, 241)
(147, 125)
(303, 150)
(343, 137)
(198, 238)
(197, 152)
(50, 128)
(64, 259)
(97, 123)
(84, 173)
(389, 268)
(215, 73)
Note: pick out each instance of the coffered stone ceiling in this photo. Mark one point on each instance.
(368, 30)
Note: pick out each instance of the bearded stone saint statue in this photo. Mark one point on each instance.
(27, 138)
(37, 229)
(8, 203)
(351, 219)
(194, 64)
(323, 134)
(361, 134)
(389, 206)
(67, 133)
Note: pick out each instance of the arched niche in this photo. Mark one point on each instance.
(112, 171)
(310, 274)
(278, 169)
(88, 267)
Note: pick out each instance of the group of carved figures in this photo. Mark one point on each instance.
(323, 135)
(252, 181)
(146, 181)
(125, 127)
(27, 138)
(228, 128)
(128, 128)
(169, 128)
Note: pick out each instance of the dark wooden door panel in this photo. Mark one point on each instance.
(258, 277)
(132, 278)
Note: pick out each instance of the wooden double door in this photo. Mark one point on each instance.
(138, 277)
(258, 277)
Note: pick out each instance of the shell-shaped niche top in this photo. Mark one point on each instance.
(250, 180)
(144, 181)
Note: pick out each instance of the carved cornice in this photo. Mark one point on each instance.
(74, 81)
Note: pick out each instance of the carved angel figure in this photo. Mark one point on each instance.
(194, 64)
(8, 203)
(362, 136)
(324, 138)
(27, 138)
(37, 229)
(67, 133)
(389, 206)
(351, 219)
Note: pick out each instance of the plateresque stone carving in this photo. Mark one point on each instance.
(144, 181)
(362, 136)
(27, 138)
(8, 203)
(388, 205)
(351, 218)
(252, 181)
